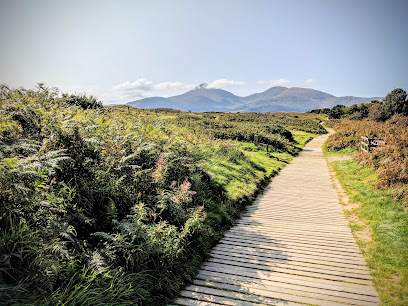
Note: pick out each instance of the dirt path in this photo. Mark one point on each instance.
(292, 246)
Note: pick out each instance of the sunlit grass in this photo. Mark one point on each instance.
(387, 251)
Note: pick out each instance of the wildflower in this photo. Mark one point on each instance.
(161, 165)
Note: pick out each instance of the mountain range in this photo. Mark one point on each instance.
(275, 99)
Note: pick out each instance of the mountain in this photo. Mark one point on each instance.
(271, 92)
(200, 99)
(275, 99)
(205, 99)
(293, 99)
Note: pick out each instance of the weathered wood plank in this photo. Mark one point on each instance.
(272, 296)
(215, 300)
(290, 278)
(295, 263)
(286, 258)
(290, 229)
(228, 291)
(294, 295)
(281, 286)
(290, 265)
(287, 250)
(266, 240)
(294, 238)
(292, 270)
(190, 302)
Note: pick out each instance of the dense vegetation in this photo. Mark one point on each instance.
(389, 161)
(394, 103)
(119, 205)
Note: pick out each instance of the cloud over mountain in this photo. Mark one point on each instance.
(223, 83)
(279, 82)
(313, 81)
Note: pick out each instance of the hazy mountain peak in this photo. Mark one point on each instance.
(201, 86)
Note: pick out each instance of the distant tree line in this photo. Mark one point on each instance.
(394, 103)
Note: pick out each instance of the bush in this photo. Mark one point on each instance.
(390, 161)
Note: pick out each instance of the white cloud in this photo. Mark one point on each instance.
(138, 85)
(222, 83)
(313, 81)
(142, 88)
(280, 82)
(169, 85)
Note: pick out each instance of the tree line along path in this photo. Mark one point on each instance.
(292, 246)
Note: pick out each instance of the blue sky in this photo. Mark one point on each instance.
(126, 50)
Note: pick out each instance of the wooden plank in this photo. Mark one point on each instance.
(284, 287)
(285, 298)
(308, 233)
(190, 302)
(217, 300)
(292, 271)
(296, 263)
(241, 297)
(306, 212)
(288, 232)
(287, 250)
(283, 247)
(292, 239)
(294, 230)
(339, 230)
(299, 224)
(285, 257)
(298, 214)
(289, 294)
(292, 279)
(339, 248)
(269, 200)
(327, 224)
(302, 195)
(290, 265)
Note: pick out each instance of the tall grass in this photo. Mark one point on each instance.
(116, 205)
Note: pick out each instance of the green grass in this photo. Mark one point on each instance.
(301, 138)
(387, 251)
(346, 151)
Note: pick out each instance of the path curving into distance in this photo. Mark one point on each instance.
(293, 246)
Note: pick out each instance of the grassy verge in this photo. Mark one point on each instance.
(381, 230)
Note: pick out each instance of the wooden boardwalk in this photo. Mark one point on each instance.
(293, 246)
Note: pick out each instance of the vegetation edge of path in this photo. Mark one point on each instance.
(379, 225)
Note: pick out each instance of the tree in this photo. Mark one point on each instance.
(363, 109)
(337, 112)
(396, 103)
(83, 101)
(376, 112)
